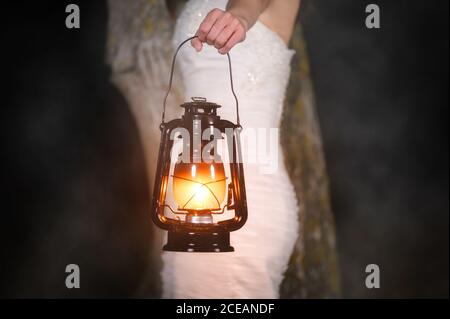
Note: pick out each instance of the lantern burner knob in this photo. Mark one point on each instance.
(199, 218)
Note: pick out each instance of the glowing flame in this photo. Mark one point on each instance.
(199, 186)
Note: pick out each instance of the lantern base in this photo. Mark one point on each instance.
(198, 242)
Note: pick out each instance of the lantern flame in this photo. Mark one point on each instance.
(199, 187)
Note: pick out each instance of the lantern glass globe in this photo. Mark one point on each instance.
(199, 186)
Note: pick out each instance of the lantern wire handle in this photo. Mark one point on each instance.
(171, 79)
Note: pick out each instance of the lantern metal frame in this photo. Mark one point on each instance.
(200, 237)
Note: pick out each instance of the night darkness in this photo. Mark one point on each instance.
(74, 182)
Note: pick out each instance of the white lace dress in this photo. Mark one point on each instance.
(261, 68)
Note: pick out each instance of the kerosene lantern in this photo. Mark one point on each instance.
(199, 193)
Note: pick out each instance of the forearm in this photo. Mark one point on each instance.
(247, 10)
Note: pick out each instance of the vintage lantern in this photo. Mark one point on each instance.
(199, 193)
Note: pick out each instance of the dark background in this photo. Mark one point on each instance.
(74, 186)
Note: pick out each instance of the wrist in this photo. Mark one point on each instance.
(242, 19)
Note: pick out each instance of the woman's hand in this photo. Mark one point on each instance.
(222, 29)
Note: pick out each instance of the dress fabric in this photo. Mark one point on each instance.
(261, 68)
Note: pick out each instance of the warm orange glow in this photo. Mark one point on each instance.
(199, 186)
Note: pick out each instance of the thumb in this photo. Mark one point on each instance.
(197, 44)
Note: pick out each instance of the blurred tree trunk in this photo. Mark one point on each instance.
(313, 270)
(139, 54)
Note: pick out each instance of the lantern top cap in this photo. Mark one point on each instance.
(200, 102)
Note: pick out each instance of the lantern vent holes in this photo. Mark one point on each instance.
(200, 105)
